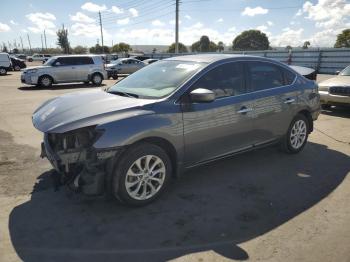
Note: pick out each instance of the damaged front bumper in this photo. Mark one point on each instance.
(78, 164)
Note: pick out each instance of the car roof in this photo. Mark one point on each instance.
(211, 58)
(87, 55)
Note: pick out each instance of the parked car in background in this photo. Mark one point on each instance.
(66, 69)
(125, 65)
(336, 90)
(38, 57)
(172, 115)
(21, 56)
(307, 72)
(150, 61)
(5, 63)
(17, 64)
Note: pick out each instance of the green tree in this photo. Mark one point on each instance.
(15, 51)
(62, 40)
(306, 45)
(221, 46)
(182, 48)
(288, 47)
(79, 50)
(251, 40)
(121, 47)
(4, 49)
(97, 49)
(343, 39)
(204, 45)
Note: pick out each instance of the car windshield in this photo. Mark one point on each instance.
(50, 61)
(345, 72)
(158, 79)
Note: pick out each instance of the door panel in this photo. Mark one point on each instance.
(65, 72)
(217, 128)
(273, 105)
(224, 125)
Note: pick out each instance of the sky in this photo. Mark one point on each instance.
(151, 22)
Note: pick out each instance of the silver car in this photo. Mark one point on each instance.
(172, 115)
(336, 90)
(125, 65)
(66, 69)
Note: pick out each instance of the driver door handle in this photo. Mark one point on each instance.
(289, 101)
(244, 110)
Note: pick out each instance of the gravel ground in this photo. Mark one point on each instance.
(259, 206)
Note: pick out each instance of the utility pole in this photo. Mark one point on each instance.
(177, 27)
(22, 44)
(30, 46)
(45, 39)
(42, 43)
(99, 14)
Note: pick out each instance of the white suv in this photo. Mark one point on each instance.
(5, 63)
(66, 69)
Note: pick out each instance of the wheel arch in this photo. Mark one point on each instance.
(46, 74)
(308, 116)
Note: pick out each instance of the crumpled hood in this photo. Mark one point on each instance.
(85, 108)
(336, 81)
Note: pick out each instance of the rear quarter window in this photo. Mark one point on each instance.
(289, 77)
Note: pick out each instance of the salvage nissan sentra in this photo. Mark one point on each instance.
(129, 140)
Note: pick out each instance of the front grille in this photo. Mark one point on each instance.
(340, 90)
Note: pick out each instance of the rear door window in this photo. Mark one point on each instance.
(263, 76)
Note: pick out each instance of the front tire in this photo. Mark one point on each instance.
(17, 68)
(296, 138)
(141, 175)
(45, 81)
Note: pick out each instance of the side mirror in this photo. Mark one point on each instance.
(201, 95)
(337, 72)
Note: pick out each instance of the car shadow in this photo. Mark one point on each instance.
(210, 208)
(340, 111)
(59, 87)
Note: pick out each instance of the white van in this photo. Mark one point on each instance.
(5, 63)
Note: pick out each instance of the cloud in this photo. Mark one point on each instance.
(157, 23)
(262, 28)
(117, 10)
(188, 17)
(255, 11)
(91, 7)
(80, 17)
(269, 23)
(220, 20)
(41, 22)
(4, 28)
(134, 12)
(88, 30)
(124, 21)
(288, 36)
(327, 13)
(13, 22)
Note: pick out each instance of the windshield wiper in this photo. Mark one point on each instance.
(123, 94)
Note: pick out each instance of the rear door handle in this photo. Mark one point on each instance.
(289, 101)
(245, 110)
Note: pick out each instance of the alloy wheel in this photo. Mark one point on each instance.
(145, 177)
(298, 134)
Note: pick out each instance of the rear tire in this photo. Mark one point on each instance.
(296, 138)
(45, 81)
(3, 71)
(97, 79)
(141, 174)
(17, 68)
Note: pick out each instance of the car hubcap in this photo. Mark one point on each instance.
(17, 68)
(298, 134)
(46, 81)
(145, 177)
(97, 79)
(2, 71)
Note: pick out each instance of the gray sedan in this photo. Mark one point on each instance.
(130, 140)
(125, 65)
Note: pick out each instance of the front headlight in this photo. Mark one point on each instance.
(32, 71)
